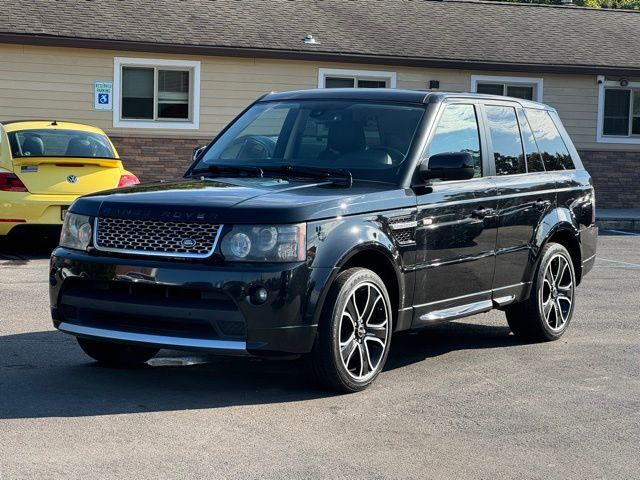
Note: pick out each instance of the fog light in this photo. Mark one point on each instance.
(258, 295)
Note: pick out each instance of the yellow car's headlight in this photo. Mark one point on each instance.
(76, 231)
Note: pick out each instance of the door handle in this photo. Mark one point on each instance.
(481, 212)
(541, 204)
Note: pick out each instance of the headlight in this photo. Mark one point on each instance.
(76, 231)
(265, 243)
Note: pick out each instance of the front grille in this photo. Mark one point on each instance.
(152, 237)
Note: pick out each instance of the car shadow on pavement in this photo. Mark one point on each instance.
(45, 374)
(413, 347)
(18, 250)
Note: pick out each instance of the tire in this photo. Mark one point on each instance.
(546, 314)
(115, 354)
(350, 353)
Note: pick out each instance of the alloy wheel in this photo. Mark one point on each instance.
(556, 294)
(364, 331)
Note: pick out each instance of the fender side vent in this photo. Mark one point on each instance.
(404, 229)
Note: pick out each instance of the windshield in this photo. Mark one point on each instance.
(59, 143)
(370, 140)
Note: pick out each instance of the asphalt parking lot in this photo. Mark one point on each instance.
(461, 400)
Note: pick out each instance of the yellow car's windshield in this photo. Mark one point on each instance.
(59, 143)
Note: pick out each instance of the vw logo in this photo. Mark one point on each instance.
(188, 242)
(72, 179)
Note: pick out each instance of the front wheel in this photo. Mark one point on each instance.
(547, 312)
(115, 354)
(354, 334)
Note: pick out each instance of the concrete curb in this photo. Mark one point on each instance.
(618, 223)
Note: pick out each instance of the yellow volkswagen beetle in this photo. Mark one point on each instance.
(45, 165)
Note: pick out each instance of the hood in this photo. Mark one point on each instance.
(243, 200)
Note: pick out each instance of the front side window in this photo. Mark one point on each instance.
(59, 143)
(156, 93)
(369, 139)
(621, 112)
(552, 148)
(505, 138)
(457, 131)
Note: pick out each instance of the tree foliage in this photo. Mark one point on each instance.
(625, 4)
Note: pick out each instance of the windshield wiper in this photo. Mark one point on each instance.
(337, 176)
(235, 170)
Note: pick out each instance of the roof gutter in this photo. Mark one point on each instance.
(205, 50)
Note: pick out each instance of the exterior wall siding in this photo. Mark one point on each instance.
(48, 82)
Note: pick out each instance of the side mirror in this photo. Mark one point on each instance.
(197, 151)
(448, 166)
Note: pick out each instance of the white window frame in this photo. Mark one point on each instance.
(600, 137)
(194, 95)
(537, 83)
(389, 77)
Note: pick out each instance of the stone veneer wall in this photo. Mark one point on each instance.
(616, 177)
(616, 174)
(152, 159)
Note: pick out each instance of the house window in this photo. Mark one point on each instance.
(337, 78)
(621, 112)
(618, 112)
(156, 93)
(518, 87)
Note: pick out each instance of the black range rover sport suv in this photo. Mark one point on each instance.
(322, 222)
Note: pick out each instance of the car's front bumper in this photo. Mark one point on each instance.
(185, 305)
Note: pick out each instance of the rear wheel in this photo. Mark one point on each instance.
(547, 312)
(354, 334)
(115, 354)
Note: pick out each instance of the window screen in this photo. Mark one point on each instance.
(137, 92)
(338, 82)
(616, 112)
(554, 152)
(505, 138)
(457, 131)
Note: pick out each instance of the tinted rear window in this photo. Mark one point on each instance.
(554, 151)
(505, 138)
(59, 143)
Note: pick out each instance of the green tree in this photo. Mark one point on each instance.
(625, 4)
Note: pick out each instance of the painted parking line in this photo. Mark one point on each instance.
(622, 232)
(634, 265)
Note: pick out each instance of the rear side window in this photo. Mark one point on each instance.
(554, 151)
(457, 131)
(505, 138)
(534, 159)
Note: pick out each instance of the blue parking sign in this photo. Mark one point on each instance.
(102, 95)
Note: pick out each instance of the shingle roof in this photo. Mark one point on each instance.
(461, 34)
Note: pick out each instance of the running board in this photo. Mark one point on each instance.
(502, 301)
(439, 316)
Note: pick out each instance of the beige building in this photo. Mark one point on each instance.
(163, 77)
